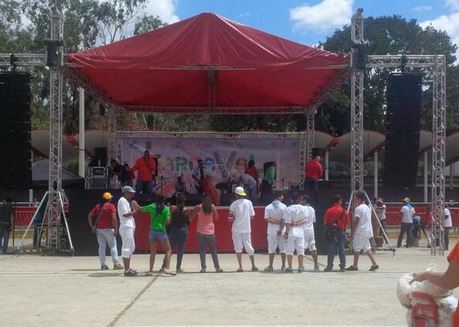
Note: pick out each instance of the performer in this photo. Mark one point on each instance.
(127, 228)
(102, 220)
(309, 237)
(313, 172)
(146, 167)
(198, 176)
(294, 232)
(249, 183)
(361, 232)
(240, 213)
(252, 171)
(275, 214)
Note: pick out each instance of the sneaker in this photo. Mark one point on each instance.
(254, 269)
(168, 272)
(179, 271)
(288, 270)
(328, 269)
(240, 270)
(118, 266)
(268, 269)
(218, 270)
(104, 267)
(374, 267)
(300, 270)
(162, 269)
(283, 268)
(202, 271)
(342, 269)
(352, 268)
(316, 268)
(130, 273)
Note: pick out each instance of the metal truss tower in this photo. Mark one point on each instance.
(434, 67)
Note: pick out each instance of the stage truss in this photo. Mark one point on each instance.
(435, 67)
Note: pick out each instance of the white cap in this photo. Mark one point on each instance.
(240, 191)
(127, 189)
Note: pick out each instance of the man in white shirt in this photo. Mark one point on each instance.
(127, 228)
(448, 223)
(275, 214)
(294, 232)
(361, 232)
(407, 211)
(240, 213)
(309, 237)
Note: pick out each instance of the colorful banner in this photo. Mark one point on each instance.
(223, 157)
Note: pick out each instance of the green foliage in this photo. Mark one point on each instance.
(148, 23)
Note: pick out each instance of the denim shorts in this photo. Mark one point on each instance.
(156, 236)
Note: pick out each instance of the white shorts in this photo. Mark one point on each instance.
(309, 240)
(360, 243)
(128, 247)
(293, 243)
(243, 240)
(274, 242)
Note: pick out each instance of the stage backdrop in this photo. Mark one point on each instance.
(223, 157)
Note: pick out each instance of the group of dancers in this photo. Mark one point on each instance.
(289, 229)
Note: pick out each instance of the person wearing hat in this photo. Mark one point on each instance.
(240, 213)
(127, 228)
(102, 221)
(380, 209)
(407, 211)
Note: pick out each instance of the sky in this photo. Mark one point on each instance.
(311, 21)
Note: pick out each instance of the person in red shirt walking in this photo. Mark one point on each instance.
(312, 173)
(336, 219)
(102, 220)
(145, 167)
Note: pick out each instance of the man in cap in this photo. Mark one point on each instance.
(102, 220)
(240, 213)
(146, 166)
(127, 228)
(407, 211)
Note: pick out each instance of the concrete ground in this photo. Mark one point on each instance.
(72, 291)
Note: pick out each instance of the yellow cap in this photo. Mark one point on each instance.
(107, 196)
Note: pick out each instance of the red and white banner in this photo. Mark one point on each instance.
(223, 157)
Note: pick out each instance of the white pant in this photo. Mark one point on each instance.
(128, 247)
(309, 240)
(242, 240)
(106, 237)
(294, 242)
(274, 242)
(360, 243)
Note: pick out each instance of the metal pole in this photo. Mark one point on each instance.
(81, 135)
(451, 176)
(426, 176)
(375, 173)
(327, 162)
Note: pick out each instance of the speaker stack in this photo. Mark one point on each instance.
(402, 130)
(15, 127)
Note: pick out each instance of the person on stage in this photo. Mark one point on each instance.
(127, 228)
(145, 167)
(240, 213)
(102, 220)
(275, 214)
(252, 171)
(198, 176)
(313, 172)
(250, 185)
(159, 218)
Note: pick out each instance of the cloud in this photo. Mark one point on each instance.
(453, 4)
(447, 23)
(326, 15)
(164, 9)
(422, 8)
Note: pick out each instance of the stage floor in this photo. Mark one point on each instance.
(71, 291)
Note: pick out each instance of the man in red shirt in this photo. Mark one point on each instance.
(145, 167)
(337, 218)
(312, 173)
(102, 220)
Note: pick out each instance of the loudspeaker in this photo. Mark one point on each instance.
(100, 157)
(402, 130)
(15, 127)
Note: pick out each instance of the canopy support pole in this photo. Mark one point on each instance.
(426, 176)
(327, 164)
(81, 135)
(375, 173)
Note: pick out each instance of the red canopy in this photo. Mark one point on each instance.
(208, 63)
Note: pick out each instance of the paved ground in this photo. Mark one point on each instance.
(71, 291)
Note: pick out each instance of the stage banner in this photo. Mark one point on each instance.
(275, 156)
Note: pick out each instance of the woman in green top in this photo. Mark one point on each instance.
(159, 218)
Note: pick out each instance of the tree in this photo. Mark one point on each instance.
(148, 23)
(386, 35)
